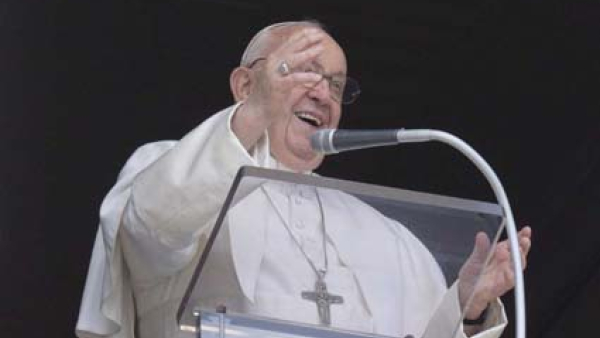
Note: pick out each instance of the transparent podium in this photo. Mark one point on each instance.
(297, 256)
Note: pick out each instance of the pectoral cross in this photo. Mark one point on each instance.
(323, 299)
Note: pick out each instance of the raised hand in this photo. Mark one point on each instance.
(496, 278)
(280, 81)
(275, 82)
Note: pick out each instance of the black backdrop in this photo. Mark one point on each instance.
(83, 83)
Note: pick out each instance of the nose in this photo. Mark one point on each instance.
(320, 91)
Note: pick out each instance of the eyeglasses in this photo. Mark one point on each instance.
(343, 89)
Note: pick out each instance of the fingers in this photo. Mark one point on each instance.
(524, 240)
(500, 273)
(302, 39)
(502, 252)
(308, 79)
(524, 245)
(482, 241)
(481, 248)
(298, 59)
(301, 83)
(301, 47)
(509, 280)
(526, 231)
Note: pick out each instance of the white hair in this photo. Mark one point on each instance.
(257, 45)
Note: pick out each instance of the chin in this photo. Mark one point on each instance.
(302, 164)
(314, 164)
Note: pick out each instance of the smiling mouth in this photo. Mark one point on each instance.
(309, 119)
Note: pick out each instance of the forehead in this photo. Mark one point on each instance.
(332, 59)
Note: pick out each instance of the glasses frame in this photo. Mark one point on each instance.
(346, 97)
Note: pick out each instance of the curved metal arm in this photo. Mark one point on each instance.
(425, 135)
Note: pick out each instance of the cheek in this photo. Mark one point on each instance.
(281, 133)
(276, 132)
(335, 118)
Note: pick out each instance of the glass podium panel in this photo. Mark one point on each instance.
(389, 259)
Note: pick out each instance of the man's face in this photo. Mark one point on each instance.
(316, 109)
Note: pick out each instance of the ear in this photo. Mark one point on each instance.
(240, 82)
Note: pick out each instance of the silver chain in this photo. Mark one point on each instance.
(319, 272)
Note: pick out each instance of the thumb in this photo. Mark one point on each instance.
(481, 248)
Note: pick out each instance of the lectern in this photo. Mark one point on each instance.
(219, 304)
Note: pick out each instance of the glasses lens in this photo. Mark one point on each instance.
(351, 91)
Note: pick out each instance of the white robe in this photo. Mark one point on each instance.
(154, 224)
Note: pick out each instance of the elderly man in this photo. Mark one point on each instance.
(155, 221)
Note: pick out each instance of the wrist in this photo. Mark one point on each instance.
(480, 319)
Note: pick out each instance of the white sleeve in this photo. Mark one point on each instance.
(176, 199)
(448, 314)
(107, 308)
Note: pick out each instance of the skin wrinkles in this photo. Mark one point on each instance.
(292, 107)
(285, 99)
(290, 137)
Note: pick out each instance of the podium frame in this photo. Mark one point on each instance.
(322, 182)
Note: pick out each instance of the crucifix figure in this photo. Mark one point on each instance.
(323, 299)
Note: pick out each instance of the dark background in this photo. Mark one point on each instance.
(83, 83)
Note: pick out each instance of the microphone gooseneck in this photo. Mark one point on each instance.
(333, 141)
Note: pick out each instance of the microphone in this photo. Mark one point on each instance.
(332, 141)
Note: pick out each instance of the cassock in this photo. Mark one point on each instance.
(154, 225)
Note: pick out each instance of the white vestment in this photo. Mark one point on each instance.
(155, 221)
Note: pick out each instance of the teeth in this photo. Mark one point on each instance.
(310, 118)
